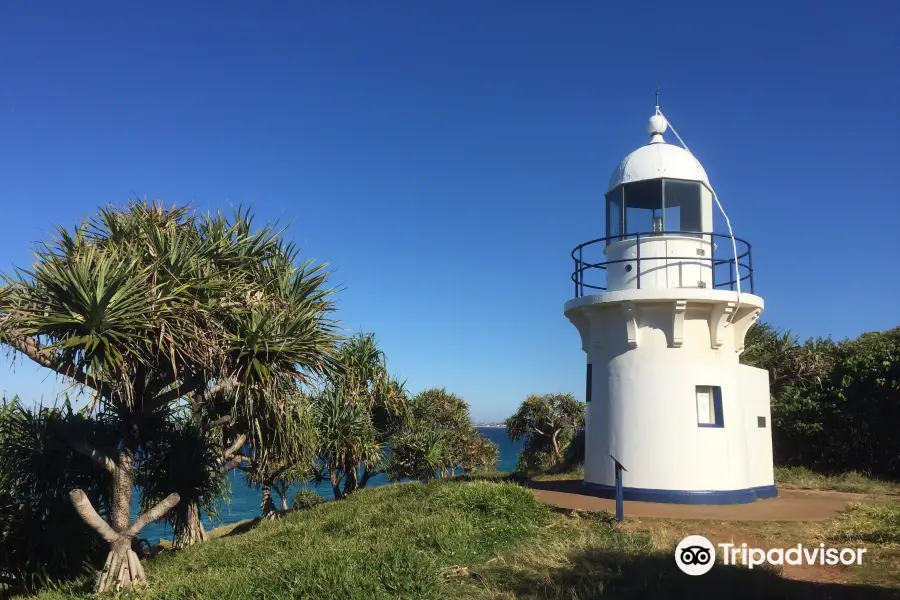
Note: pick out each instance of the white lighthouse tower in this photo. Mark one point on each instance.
(662, 304)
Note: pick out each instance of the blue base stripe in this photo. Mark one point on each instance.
(716, 497)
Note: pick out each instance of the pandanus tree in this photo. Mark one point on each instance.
(149, 307)
(184, 458)
(547, 423)
(347, 441)
(417, 452)
(361, 378)
(463, 446)
(438, 439)
(283, 452)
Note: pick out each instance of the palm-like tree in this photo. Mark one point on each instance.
(146, 307)
(438, 439)
(285, 452)
(361, 377)
(182, 457)
(547, 423)
(419, 452)
(347, 440)
(780, 353)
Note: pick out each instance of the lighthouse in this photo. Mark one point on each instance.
(663, 303)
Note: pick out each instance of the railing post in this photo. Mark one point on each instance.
(620, 492)
(575, 276)
(581, 271)
(750, 265)
(620, 495)
(637, 245)
(731, 273)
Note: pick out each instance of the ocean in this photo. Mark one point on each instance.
(244, 501)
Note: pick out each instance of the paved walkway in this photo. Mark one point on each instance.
(790, 505)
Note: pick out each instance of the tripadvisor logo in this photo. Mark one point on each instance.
(696, 555)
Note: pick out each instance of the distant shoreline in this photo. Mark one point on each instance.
(492, 426)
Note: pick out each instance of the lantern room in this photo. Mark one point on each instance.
(659, 218)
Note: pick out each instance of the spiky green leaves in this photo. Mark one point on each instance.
(152, 300)
(347, 438)
(439, 438)
(39, 539)
(182, 458)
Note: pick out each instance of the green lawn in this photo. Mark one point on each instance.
(479, 540)
(802, 478)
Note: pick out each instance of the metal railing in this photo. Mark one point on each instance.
(740, 267)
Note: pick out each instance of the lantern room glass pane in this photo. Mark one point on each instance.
(682, 206)
(614, 215)
(643, 207)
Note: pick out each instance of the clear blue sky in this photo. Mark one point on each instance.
(444, 158)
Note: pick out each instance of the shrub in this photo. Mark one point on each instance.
(41, 537)
(573, 457)
(833, 403)
(547, 424)
(306, 499)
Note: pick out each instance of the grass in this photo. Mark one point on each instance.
(491, 539)
(552, 475)
(390, 542)
(803, 478)
(785, 477)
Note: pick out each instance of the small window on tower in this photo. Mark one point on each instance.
(709, 406)
(589, 383)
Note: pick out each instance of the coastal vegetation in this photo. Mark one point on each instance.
(547, 424)
(195, 345)
(834, 403)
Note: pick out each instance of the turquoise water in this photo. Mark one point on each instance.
(244, 501)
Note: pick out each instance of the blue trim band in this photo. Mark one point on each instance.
(717, 497)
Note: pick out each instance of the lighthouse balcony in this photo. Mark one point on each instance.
(662, 260)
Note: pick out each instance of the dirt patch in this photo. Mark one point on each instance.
(790, 505)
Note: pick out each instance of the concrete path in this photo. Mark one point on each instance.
(790, 505)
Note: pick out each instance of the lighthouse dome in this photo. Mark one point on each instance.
(657, 160)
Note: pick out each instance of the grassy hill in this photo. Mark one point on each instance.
(478, 540)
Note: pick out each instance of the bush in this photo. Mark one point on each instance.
(438, 439)
(833, 403)
(41, 536)
(306, 499)
(574, 454)
(547, 424)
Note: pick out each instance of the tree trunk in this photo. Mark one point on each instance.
(123, 569)
(123, 484)
(556, 453)
(281, 489)
(335, 484)
(350, 481)
(366, 476)
(269, 512)
(193, 532)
